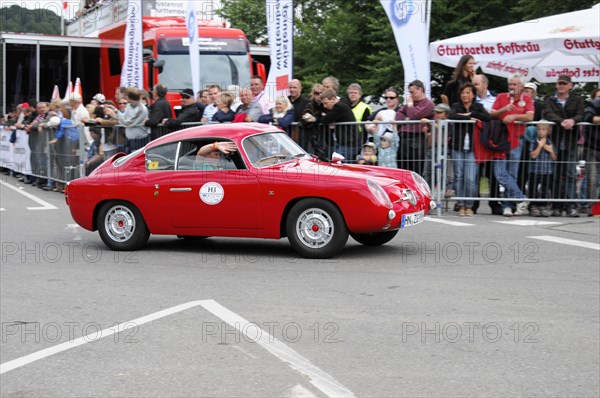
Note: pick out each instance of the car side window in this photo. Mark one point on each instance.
(188, 159)
(161, 158)
(187, 155)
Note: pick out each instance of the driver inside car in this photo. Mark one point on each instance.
(210, 156)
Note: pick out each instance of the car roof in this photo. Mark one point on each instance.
(234, 131)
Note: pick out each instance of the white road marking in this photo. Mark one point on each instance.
(74, 228)
(554, 239)
(92, 337)
(2, 209)
(318, 378)
(300, 392)
(528, 223)
(45, 205)
(448, 222)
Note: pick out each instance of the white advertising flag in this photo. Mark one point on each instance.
(132, 74)
(409, 24)
(192, 29)
(280, 25)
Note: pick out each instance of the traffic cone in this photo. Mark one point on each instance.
(68, 92)
(77, 89)
(55, 93)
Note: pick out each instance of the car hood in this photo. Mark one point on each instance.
(382, 175)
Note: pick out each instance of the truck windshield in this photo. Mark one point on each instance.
(223, 61)
(221, 69)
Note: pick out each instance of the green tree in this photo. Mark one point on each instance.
(23, 20)
(354, 41)
(537, 9)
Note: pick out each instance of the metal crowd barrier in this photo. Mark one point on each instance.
(574, 174)
(571, 181)
(34, 155)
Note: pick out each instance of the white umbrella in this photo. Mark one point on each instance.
(542, 48)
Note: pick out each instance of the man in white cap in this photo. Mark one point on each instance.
(530, 89)
(79, 114)
(98, 99)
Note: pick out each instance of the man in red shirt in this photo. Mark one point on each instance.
(511, 107)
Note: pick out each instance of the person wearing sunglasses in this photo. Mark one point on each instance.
(310, 137)
(565, 109)
(391, 96)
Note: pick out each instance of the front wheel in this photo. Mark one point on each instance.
(121, 226)
(316, 228)
(375, 238)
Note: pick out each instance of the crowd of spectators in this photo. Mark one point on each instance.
(539, 162)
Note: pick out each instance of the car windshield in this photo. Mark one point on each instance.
(271, 148)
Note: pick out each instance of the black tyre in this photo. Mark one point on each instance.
(121, 226)
(316, 228)
(375, 239)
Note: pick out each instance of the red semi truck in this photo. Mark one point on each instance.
(225, 57)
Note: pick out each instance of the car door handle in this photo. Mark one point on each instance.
(181, 189)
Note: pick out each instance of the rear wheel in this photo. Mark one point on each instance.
(375, 238)
(316, 228)
(121, 226)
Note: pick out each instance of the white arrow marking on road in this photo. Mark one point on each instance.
(45, 205)
(318, 378)
(300, 392)
(321, 380)
(528, 223)
(74, 228)
(448, 222)
(92, 337)
(554, 239)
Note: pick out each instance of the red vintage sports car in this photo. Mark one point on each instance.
(266, 187)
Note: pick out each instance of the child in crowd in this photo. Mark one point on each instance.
(384, 121)
(387, 148)
(542, 155)
(368, 155)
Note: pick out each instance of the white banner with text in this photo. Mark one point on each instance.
(409, 24)
(280, 26)
(132, 73)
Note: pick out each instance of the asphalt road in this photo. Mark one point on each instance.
(493, 307)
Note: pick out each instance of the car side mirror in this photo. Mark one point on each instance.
(337, 158)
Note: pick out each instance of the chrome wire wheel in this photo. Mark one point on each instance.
(121, 226)
(120, 223)
(315, 228)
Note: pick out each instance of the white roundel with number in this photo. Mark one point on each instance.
(212, 193)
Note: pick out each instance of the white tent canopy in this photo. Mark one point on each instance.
(542, 49)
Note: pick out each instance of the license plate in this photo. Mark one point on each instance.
(408, 220)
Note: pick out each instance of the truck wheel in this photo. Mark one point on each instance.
(316, 228)
(121, 226)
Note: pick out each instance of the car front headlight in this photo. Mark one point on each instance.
(379, 193)
(421, 184)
